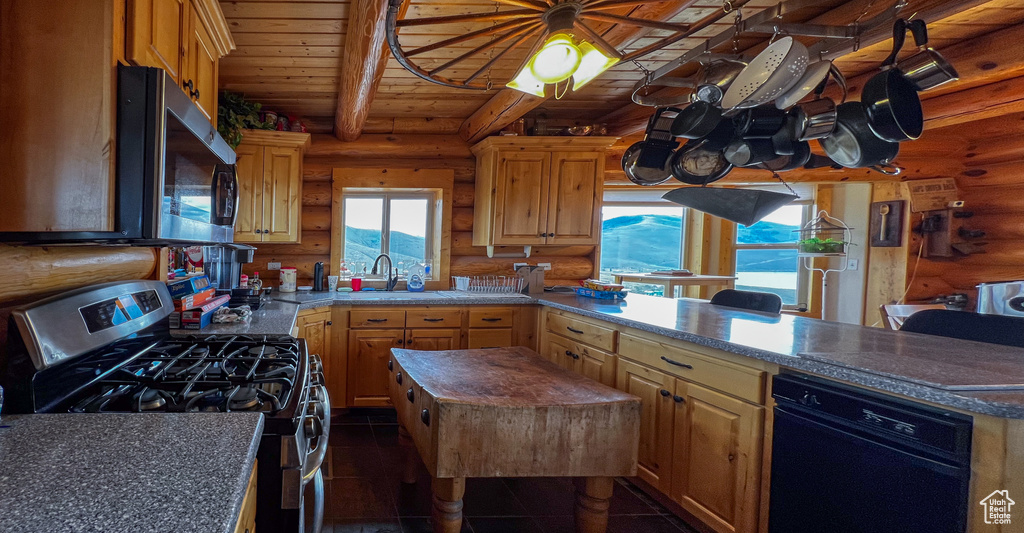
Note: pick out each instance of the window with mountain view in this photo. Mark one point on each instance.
(766, 255)
(396, 224)
(641, 237)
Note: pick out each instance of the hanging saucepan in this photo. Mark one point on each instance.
(927, 68)
(817, 119)
(642, 175)
(891, 100)
(715, 77)
(854, 145)
(801, 155)
(760, 122)
(696, 164)
(696, 120)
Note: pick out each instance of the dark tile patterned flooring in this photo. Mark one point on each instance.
(365, 495)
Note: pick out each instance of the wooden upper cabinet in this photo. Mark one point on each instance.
(718, 465)
(186, 38)
(521, 197)
(155, 31)
(202, 64)
(269, 169)
(539, 190)
(575, 198)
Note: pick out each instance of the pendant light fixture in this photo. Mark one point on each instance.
(561, 55)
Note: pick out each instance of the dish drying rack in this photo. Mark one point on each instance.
(488, 284)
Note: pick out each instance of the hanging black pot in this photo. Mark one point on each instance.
(742, 206)
(891, 99)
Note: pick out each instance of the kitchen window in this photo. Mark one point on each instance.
(766, 255)
(398, 223)
(640, 232)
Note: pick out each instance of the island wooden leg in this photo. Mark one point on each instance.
(447, 510)
(592, 502)
(411, 459)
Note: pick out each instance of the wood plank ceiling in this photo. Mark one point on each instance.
(289, 54)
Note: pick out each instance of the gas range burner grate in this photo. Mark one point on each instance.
(196, 373)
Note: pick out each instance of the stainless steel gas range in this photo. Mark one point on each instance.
(106, 348)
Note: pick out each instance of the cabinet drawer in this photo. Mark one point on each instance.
(371, 318)
(490, 318)
(585, 332)
(433, 318)
(737, 380)
(490, 338)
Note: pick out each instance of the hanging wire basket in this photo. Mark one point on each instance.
(824, 236)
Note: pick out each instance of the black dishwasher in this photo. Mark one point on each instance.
(847, 460)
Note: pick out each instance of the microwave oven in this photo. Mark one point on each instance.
(175, 175)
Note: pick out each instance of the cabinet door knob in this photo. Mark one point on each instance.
(679, 399)
(265, 230)
(402, 341)
(409, 394)
(425, 416)
(391, 365)
(665, 393)
(398, 378)
(188, 85)
(330, 323)
(567, 352)
(259, 231)
(195, 94)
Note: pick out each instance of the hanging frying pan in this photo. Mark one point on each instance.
(642, 175)
(891, 100)
(697, 164)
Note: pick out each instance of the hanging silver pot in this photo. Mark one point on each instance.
(926, 69)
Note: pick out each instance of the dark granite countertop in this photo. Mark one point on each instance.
(945, 371)
(147, 472)
(272, 318)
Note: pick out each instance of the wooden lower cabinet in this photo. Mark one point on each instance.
(247, 515)
(489, 338)
(597, 365)
(657, 418)
(432, 339)
(717, 465)
(315, 326)
(368, 353)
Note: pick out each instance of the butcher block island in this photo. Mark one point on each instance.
(508, 412)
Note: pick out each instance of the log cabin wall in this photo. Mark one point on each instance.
(404, 151)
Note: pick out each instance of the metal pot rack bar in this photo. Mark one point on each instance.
(836, 40)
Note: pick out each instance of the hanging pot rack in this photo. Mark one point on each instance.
(836, 41)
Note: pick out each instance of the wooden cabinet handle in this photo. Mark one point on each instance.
(676, 363)
(425, 417)
(578, 332)
(433, 319)
(409, 394)
(665, 393)
(391, 365)
(679, 399)
(376, 320)
(398, 378)
(491, 320)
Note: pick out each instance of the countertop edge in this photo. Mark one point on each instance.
(238, 495)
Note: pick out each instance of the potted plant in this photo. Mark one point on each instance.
(235, 114)
(814, 245)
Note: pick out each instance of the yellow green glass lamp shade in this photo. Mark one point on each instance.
(525, 82)
(556, 60)
(592, 64)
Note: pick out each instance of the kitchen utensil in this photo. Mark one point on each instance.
(759, 123)
(854, 145)
(696, 120)
(318, 276)
(652, 93)
(884, 211)
(892, 103)
(800, 156)
(642, 175)
(815, 74)
(747, 152)
(716, 76)
(926, 69)
(697, 164)
(817, 119)
(658, 140)
(743, 206)
(771, 73)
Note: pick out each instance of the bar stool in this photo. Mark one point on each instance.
(993, 329)
(765, 302)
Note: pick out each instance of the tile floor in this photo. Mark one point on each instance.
(365, 495)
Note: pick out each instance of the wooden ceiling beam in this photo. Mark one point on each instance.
(508, 105)
(976, 59)
(362, 65)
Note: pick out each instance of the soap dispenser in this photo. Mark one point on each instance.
(417, 274)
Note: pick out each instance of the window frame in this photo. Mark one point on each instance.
(387, 195)
(803, 278)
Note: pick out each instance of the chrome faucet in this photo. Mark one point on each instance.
(390, 282)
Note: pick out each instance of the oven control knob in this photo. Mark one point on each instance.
(312, 428)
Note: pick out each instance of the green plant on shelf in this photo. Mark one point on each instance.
(815, 245)
(234, 114)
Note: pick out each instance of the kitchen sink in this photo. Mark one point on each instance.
(391, 295)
